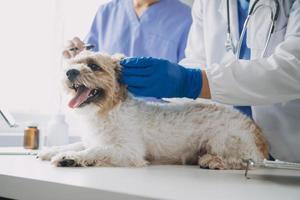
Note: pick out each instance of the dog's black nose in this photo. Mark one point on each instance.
(72, 74)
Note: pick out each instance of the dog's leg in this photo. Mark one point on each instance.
(48, 153)
(99, 156)
(227, 151)
(211, 162)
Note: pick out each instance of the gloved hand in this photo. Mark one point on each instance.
(151, 77)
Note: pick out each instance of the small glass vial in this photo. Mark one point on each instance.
(31, 137)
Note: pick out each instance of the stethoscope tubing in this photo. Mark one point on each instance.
(229, 42)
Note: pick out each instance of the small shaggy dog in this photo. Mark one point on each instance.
(124, 131)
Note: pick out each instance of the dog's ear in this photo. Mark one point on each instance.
(118, 57)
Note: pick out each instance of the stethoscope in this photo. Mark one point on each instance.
(229, 44)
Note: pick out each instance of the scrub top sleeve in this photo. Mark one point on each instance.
(195, 51)
(92, 36)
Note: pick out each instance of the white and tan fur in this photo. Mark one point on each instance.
(124, 131)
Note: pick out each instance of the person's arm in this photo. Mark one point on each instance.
(262, 81)
(258, 82)
(205, 92)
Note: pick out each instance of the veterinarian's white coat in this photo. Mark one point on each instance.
(271, 84)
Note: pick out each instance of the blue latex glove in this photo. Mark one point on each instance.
(151, 77)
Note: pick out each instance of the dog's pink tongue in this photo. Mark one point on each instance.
(81, 96)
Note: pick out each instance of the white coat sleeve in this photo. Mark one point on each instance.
(195, 49)
(263, 81)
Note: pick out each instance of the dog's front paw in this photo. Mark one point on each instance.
(68, 159)
(47, 154)
(208, 161)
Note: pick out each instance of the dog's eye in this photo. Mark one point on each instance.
(94, 67)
